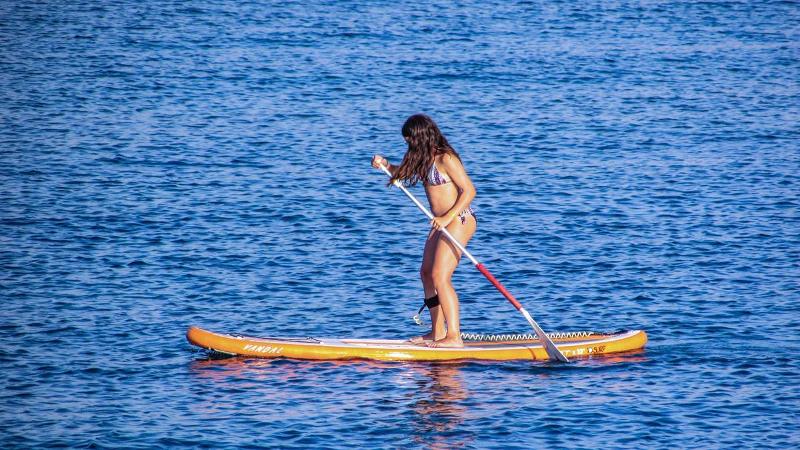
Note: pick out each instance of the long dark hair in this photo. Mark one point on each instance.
(425, 143)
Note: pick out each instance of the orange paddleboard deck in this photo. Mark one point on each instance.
(572, 345)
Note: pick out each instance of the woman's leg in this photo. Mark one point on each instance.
(426, 274)
(445, 261)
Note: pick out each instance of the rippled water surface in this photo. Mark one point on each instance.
(164, 164)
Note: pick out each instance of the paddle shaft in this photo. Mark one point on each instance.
(552, 351)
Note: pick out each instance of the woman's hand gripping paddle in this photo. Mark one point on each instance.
(552, 351)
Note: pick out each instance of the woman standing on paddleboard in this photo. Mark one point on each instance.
(431, 160)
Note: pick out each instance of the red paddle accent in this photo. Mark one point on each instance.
(499, 286)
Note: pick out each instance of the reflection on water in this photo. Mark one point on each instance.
(432, 401)
(633, 356)
(437, 406)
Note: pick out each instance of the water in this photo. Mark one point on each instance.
(173, 163)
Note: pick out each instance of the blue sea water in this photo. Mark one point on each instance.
(171, 163)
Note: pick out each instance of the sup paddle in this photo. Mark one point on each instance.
(552, 351)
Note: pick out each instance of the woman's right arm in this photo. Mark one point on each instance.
(378, 161)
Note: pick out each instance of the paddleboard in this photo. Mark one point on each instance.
(476, 347)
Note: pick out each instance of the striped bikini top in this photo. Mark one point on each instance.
(435, 178)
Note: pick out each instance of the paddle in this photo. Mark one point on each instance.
(552, 351)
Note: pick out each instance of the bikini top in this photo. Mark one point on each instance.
(435, 178)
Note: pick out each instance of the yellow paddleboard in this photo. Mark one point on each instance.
(572, 345)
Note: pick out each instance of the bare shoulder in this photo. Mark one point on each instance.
(449, 161)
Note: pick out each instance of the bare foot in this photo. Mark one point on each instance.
(447, 342)
(421, 339)
(425, 338)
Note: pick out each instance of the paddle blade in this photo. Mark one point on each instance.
(552, 351)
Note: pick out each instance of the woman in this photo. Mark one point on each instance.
(431, 160)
